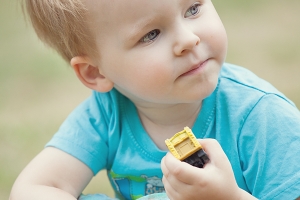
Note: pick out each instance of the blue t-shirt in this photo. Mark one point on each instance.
(257, 127)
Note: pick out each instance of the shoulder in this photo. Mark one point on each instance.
(243, 99)
(104, 104)
(240, 84)
(266, 126)
(243, 78)
(97, 115)
(90, 130)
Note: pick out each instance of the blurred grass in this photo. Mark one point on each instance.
(38, 89)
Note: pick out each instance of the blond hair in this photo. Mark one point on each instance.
(61, 24)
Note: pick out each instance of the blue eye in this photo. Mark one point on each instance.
(193, 10)
(150, 36)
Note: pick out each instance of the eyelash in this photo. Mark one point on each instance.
(190, 13)
(149, 36)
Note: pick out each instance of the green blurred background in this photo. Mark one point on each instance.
(38, 89)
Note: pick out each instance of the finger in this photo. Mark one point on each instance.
(171, 192)
(177, 190)
(214, 151)
(171, 183)
(179, 171)
(164, 168)
(169, 162)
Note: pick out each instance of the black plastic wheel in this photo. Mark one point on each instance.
(198, 159)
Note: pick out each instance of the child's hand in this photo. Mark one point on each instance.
(214, 181)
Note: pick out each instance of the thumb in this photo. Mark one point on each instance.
(214, 151)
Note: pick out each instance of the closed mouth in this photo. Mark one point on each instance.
(194, 68)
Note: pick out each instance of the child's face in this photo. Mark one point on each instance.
(159, 51)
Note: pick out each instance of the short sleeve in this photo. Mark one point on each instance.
(269, 147)
(83, 134)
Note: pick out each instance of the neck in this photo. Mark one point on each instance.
(164, 121)
(171, 115)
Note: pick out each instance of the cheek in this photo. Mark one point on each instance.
(219, 40)
(145, 76)
(215, 36)
(153, 75)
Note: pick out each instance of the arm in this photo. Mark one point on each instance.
(214, 181)
(52, 174)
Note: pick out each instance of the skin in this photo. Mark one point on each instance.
(155, 46)
(214, 181)
(166, 57)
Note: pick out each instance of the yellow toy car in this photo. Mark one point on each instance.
(185, 147)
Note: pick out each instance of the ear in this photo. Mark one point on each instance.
(90, 75)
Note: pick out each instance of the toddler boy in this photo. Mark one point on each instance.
(154, 68)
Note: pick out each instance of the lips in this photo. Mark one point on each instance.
(194, 69)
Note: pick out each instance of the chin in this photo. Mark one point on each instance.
(209, 89)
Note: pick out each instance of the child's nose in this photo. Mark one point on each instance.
(186, 40)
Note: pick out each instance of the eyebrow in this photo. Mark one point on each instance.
(139, 26)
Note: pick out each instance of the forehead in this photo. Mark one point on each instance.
(116, 19)
(118, 11)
